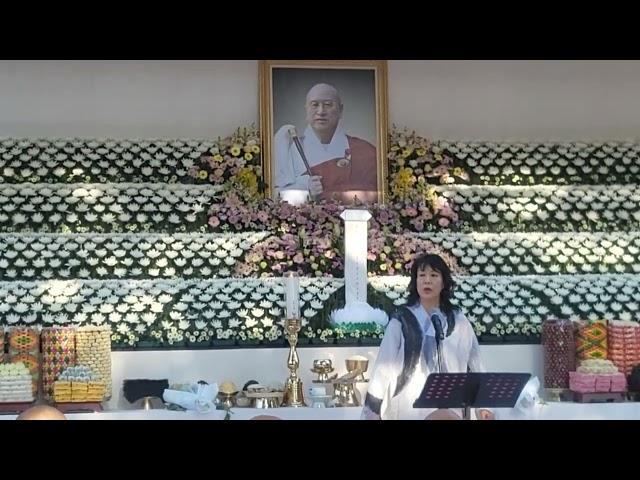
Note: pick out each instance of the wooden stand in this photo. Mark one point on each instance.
(600, 397)
(15, 408)
(79, 407)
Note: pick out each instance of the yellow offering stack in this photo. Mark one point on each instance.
(78, 384)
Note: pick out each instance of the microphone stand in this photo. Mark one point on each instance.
(439, 352)
(439, 338)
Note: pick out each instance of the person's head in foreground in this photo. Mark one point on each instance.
(265, 417)
(443, 415)
(41, 412)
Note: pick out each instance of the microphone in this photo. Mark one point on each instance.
(437, 325)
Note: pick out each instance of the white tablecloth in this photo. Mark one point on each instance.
(237, 414)
(549, 411)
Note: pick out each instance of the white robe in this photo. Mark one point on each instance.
(459, 351)
(291, 178)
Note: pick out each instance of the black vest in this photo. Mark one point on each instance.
(413, 337)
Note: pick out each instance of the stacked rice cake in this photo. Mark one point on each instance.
(15, 383)
(78, 384)
(93, 349)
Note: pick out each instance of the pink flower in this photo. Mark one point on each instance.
(298, 258)
(418, 224)
(214, 222)
(447, 211)
(443, 222)
(411, 212)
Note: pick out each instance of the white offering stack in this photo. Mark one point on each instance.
(15, 383)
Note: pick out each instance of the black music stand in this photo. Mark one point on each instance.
(467, 390)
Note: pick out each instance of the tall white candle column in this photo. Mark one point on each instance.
(356, 224)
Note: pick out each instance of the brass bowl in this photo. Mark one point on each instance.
(226, 400)
(353, 364)
(322, 365)
(265, 399)
(346, 395)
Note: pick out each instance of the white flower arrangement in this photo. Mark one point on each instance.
(100, 207)
(158, 310)
(616, 252)
(123, 256)
(495, 300)
(546, 163)
(101, 161)
(546, 207)
(122, 187)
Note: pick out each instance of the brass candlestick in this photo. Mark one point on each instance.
(293, 393)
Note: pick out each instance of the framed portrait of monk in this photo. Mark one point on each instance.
(324, 130)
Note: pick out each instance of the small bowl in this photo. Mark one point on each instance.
(323, 364)
(353, 364)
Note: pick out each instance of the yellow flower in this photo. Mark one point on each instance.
(218, 158)
(248, 156)
(202, 174)
(407, 152)
(402, 182)
(255, 149)
(383, 267)
(395, 148)
(235, 150)
(421, 152)
(248, 181)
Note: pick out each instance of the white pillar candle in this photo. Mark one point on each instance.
(292, 295)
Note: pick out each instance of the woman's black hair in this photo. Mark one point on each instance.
(437, 263)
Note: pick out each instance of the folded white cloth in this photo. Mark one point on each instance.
(525, 406)
(198, 397)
